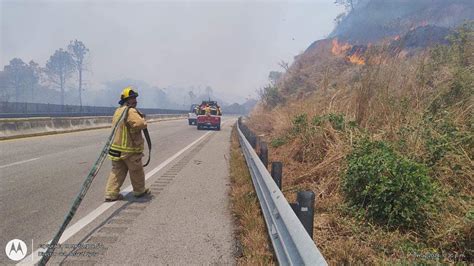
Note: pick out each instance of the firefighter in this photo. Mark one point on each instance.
(126, 151)
(207, 110)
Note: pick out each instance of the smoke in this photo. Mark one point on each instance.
(228, 45)
(371, 20)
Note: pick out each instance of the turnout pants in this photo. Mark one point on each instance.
(132, 164)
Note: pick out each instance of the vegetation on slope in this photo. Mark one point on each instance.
(386, 145)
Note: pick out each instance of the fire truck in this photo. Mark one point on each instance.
(209, 115)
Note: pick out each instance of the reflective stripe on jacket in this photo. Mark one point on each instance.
(128, 138)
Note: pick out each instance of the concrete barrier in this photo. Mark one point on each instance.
(26, 127)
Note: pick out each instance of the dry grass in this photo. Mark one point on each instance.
(388, 101)
(252, 233)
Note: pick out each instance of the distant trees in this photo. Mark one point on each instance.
(192, 96)
(15, 72)
(59, 69)
(32, 78)
(209, 92)
(78, 50)
(270, 96)
(22, 81)
(274, 76)
(4, 96)
(21, 77)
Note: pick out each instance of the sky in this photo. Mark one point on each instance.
(228, 45)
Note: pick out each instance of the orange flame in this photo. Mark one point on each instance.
(356, 59)
(342, 48)
(338, 49)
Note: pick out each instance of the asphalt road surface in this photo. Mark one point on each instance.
(40, 177)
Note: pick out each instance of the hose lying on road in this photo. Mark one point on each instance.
(85, 187)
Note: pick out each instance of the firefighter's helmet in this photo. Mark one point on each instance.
(127, 93)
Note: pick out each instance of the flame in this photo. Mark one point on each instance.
(342, 48)
(338, 49)
(357, 59)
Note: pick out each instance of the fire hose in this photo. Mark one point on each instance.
(87, 183)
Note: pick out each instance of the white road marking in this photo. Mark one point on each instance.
(20, 162)
(73, 229)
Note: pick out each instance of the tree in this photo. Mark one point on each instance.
(21, 77)
(270, 96)
(4, 97)
(192, 96)
(284, 65)
(209, 91)
(32, 78)
(348, 4)
(274, 76)
(59, 68)
(14, 76)
(339, 18)
(78, 50)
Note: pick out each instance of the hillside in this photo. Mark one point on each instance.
(378, 122)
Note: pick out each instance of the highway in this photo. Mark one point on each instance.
(40, 177)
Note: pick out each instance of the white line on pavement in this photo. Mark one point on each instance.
(72, 230)
(20, 162)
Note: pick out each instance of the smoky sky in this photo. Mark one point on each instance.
(228, 45)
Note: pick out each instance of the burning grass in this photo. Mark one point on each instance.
(419, 110)
(252, 234)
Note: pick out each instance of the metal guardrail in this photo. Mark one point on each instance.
(18, 110)
(291, 242)
(28, 115)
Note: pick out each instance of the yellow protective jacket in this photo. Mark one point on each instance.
(128, 138)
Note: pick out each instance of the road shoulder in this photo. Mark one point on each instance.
(189, 220)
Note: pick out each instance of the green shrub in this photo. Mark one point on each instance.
(337, 121)
(392, 189)
(300, 123)
(470, 215)
(352, 124)
(442, 136)
(271, 96)
(317, 120)
(277, 142)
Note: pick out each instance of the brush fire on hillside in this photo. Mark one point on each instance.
(380, 126)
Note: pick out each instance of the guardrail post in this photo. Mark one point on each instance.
(305, 212)
(253, 139)
(264, 153)
(277, 169)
